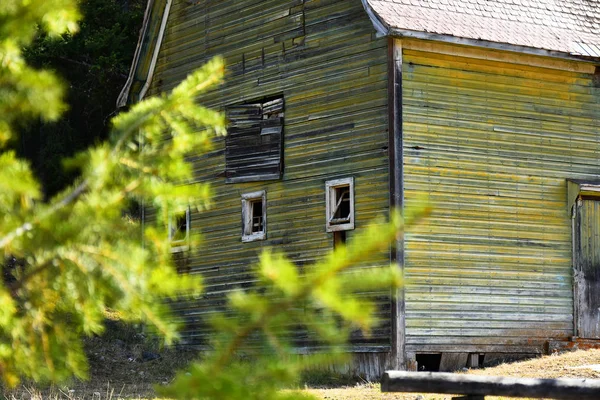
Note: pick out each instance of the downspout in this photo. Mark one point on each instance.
(161, 33)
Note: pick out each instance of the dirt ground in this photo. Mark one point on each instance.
(579, 364)
(124, 363)
(128, 365)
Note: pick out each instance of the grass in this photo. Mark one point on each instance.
(56, 393)
(579, 364)
(121, 367)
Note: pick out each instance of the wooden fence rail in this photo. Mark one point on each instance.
(477, 387)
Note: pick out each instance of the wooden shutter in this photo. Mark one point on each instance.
(254, 141)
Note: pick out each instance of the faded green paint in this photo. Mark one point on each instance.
(492, 144)
(324, 58)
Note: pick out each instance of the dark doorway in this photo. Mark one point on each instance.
(586, 264)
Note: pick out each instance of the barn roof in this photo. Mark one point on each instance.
(564, 26)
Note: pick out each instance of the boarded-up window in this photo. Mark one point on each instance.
(254, 141)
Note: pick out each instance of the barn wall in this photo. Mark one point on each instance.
(323, 57)
(490, 138)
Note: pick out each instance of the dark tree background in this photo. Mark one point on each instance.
(94, 63)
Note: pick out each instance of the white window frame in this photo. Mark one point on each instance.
(331, 203)
(248, 199)
(182, 244)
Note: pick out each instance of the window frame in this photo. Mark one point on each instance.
(248, 199)
(182, 244)
(331, 202)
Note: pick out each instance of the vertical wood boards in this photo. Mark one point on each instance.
(396, 194)
(323, 59)
(490, 139)
(587, 267)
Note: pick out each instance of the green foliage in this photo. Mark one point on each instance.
(253, 343)
(73, 256)
(80, 255)
(23, 90)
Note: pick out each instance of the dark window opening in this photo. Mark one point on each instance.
(254, 216)
(179, 230)
(339, 204)
(341, 213)
(428, 362)
(180, 227)
(257, 216)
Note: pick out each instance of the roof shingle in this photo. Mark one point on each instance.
(567, 26)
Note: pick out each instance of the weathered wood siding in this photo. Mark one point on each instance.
(490, 138)
(323, 57)
(586, 243)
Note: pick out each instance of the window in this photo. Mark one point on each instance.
(179, 230)
(254, 216)
(253, 146)
(339, 199)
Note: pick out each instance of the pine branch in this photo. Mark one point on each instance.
(310, 286)
(15, 286)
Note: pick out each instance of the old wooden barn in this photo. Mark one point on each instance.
(341, 109)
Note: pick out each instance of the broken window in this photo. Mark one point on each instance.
(253, 147)
(179, 230)
(339, 204)
(254, 216)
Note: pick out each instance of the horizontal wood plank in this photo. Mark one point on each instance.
(448, 383)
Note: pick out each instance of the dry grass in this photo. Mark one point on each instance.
(370, 391)
(579, 364)
(120, 367)
(67, 393)
(118, 371)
